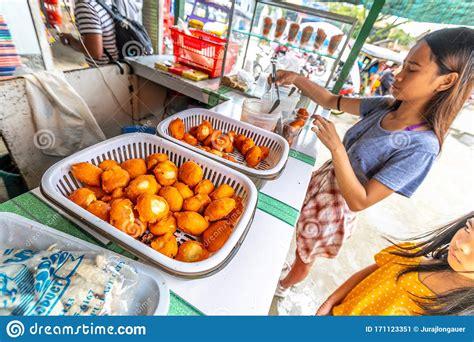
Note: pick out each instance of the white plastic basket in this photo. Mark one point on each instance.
(268, 169)
(21, 233)
(58, 182)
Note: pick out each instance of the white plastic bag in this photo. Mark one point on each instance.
(57, 282)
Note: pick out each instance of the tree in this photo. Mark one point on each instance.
(385, 26)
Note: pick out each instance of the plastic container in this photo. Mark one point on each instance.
(152, 296)
(280, 27)
(289, 131)
(269, 169)
(203, 51)
(267, 26)
(255, 112)
(288, 103)
(58, 182)
(293, 32)
(334, 43)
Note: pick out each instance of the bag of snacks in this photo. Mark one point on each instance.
(57, 282)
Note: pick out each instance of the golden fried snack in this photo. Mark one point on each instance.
(163, 226)
(246, 146)
(108, 164)
(176, 128)
(87, 173)
(235, 214)
(100, 209)
(223, 191)
(141, 185)
(208, 141)
(191, 222)
(265, 152)
(190, 173)
(204, 187)
(107, 199)
(118, 193)
(193, 131)
(216, 235)
(238, 141)
(253, 156)
(151, 208)
(188, 138)
(135, 167)
(197, 203)
(217, 153)
(114, 178)
(97, 190)
(203, 131)
(166, 245)
(82, 197)
(121, 213)
(229, 157)
(209, 125)
(298, 123)
(230, 146)
(184, 190)
(153, 159)
(166, 173)
(220, 141)
(173, 197)
(219, 209)
(191, 251)
(213, 141)
(231, 135)
(136, 229)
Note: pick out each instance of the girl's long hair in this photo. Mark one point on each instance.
(453, 51)
(435, 246)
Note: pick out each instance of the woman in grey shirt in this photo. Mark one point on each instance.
(391, 149)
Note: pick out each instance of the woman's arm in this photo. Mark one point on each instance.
(318, 94)
(342, 291)
(92, 42)
(357, 195)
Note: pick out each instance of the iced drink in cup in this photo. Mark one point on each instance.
(293, 32)
(306, 35)
(320, 38)
(280, 28)
(267, 26)
(334, 43)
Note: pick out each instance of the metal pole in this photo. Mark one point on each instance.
(251, 29)
(178, 10)
(363, 34)
(229, 30)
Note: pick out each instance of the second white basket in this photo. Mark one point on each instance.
(58, 182)
(268, 169)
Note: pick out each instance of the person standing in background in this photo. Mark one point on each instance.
(97, 31)
(386, 81)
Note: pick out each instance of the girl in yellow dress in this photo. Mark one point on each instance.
(434, 276)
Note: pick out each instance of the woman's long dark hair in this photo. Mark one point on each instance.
(435, 246)
(453, 51)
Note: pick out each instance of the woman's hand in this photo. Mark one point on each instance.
(327, 134)
(284, 77)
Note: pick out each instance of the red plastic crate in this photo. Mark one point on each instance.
(203, 51)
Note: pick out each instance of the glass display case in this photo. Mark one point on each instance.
(307, 40)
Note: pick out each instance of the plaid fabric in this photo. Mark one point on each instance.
(325, 221)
